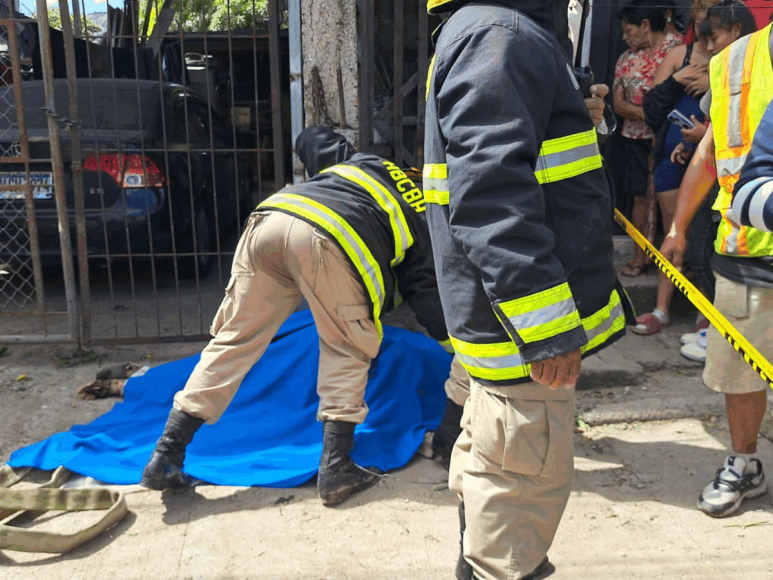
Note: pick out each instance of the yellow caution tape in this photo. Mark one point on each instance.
(751, 355)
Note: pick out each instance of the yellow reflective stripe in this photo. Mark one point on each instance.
(400, 230)
(495, 362)
(541, 315)
(436, 197)
(349, 240)
(429, 77)
(447, 346)
(435, 171)
(502, 361)
(567, 157)
(560, 158)
(600, 326)
(435, 183)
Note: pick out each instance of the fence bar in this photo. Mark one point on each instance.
(21, 125)
(398, 79)
(296, 82)
(57, 166)
(276, 93)
(422, 91)
(76, 167)
(367, 56)
(30, 339)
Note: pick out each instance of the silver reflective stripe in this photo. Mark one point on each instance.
(732, 166)
(735, 85)
(566, 157)
(758, 205)
(435, 184)
(731, 240)
(494, 362)
(615, 313)
(743, 194)
(543, 315)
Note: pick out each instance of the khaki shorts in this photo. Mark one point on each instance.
(750, 310)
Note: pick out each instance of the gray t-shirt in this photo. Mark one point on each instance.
(705, 103)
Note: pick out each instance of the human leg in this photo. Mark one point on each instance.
(258, 299)
(457, 388)
(635, 188)
(516, 480)
(348, 341)
(741, 477)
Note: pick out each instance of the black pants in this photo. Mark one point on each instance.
(700, 243)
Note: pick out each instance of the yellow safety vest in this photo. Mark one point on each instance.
(741, 78)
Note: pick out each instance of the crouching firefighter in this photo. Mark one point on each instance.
(344, 241)
(520, 216)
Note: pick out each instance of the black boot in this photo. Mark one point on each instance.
(463, 568)
(165, 468)
(447, 432)
(339, 476)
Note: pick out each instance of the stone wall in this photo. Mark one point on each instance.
(330, 69)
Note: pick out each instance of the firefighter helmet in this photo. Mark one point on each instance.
(438, 6)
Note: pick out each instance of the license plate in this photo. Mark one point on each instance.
(42, 185)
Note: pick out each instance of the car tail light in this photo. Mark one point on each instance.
(128, 170)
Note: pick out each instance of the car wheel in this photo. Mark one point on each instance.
(205, 239)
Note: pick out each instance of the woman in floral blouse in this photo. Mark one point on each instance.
(644, 23)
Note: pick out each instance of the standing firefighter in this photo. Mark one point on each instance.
(520, 217)
(344, 241)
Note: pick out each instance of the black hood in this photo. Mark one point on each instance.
(320, 147)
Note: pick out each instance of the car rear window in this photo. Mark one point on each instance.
(125, 106)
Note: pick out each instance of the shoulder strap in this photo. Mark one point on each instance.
(687, 55)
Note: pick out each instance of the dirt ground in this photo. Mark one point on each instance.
(631, 516)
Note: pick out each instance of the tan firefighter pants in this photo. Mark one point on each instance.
(278, 260)
(457, 384)
(513, 466)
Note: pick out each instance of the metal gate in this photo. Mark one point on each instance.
(30, 176)
(394, 48)
(167, 126)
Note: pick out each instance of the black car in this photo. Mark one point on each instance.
(160, 170)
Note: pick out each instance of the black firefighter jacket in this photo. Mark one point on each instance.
(518, 207)
(375, 213)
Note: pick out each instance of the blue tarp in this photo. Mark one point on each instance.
(269, 435)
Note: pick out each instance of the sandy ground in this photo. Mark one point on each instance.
(631, 516)
(632, 513)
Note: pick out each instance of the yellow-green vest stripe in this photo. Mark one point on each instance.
(400, 230)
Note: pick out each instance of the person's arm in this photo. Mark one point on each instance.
(696, 185)
(417, 283)
(669, 65)
(625, 109)
(494, 118)
(753, 194)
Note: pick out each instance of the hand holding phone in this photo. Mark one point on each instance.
(680, 120)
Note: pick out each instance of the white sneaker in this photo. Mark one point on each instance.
(735, 481)
(693, 351)
(691, 337)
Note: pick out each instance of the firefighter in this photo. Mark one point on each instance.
(520, 217)
(343, 241)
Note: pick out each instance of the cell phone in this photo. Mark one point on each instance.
(677, 118)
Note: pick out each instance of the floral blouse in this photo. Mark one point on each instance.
(634, 73)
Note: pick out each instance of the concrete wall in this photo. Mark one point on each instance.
(329, 45)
